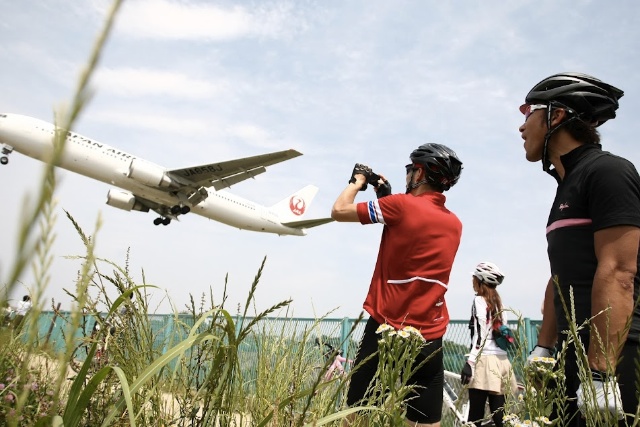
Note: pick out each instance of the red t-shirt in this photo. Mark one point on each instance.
(419, 243)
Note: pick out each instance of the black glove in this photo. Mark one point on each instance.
(370, 177)
(365, 170)
(383, 190)
(466, 374)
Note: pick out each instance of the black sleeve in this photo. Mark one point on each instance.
(613, 189)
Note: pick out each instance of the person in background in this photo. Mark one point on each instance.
(21, 311)
(419, 242)
(593, 234)
(487, 371)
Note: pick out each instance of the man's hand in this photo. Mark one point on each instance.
(539, 351)
(364, 171)
(383, 188)
(603, 396)
(467, 373)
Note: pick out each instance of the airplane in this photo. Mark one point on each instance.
(144, 186)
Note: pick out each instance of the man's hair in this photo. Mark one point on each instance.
(581, 131)
(26, 298)
(435, 186)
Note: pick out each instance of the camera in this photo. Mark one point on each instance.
(371, 176)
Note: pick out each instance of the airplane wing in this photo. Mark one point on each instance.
(308, 223)
(225, 174)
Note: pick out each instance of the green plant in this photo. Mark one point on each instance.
(33, 384)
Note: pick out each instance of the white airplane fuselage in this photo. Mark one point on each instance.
(35, 138)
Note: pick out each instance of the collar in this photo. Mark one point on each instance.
(570, 159)
(434, 196)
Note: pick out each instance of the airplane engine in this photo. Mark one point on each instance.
(148, 173)
(124, 200)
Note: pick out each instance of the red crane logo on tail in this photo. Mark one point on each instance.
(297, 205)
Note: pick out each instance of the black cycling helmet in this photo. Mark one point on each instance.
(441, 164)
(592, 100)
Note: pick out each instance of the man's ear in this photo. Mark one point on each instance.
(558, 115)
(419, 176)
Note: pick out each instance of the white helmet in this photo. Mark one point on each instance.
(489, 273)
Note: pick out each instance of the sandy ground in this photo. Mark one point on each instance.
(49, 368)
(172, 408)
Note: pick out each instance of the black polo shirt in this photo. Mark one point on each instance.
(599, 190)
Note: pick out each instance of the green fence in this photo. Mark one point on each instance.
(340, 333)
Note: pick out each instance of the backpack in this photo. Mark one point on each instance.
(503, 336)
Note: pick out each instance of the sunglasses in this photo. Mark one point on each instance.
(529, 109)
(411, 167)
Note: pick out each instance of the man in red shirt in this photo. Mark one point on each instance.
(418, 246)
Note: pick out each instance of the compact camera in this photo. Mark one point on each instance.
(372, 177)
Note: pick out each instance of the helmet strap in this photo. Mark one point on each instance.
(411, 185)
(546, 162)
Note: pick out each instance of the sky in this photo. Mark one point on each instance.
(182, 83)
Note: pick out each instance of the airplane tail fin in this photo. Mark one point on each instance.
(292, 208)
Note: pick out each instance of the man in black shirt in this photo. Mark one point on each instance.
(593, 235)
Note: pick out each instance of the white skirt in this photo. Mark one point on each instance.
(494, 373)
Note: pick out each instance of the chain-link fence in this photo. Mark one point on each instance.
(342, 334)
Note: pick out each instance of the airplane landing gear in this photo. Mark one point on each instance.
(163, 221)
(5, 151)
(180, 210)
(170, 213)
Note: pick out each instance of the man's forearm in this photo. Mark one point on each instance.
(616, 249)
(612, 305)
(548, 334)
(344, 209)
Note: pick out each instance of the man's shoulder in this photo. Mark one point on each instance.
(395, 199)
(599, 160)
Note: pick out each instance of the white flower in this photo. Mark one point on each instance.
(384, 328)
(544, 360)
(544, 420)
(404, 334)
(413, 331)
(511, 419)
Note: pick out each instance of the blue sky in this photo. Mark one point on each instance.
(183, 83)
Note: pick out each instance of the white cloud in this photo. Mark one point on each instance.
(164, 19)
(249, 131)
(158, 123)
(134, 82)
